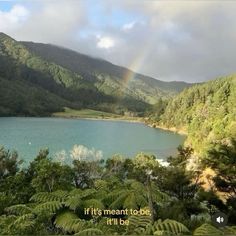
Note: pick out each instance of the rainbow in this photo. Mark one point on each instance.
(134, 67)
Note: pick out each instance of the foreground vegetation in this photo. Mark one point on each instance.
(48, 197)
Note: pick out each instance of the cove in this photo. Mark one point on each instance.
(28, 135)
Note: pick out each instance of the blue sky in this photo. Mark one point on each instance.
(169, 40)
(6, 5)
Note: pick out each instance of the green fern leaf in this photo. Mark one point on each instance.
(67, 221)
(19, 209)
(90, 232)
(139, 224)
(169, 226)
(207, 229)
(230, 230)
(73, 202)
(93, 203)
(46, 197)
(51, 206)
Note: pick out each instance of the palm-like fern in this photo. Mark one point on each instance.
(19, 209)
(90, 232)
(169, 227)
(67, 207)
(138, 224)
(48, 197)
(207, 229)
(132, 195)
(69, 222)
(51, 206)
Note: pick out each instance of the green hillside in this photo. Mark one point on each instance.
(67, 78)
(18, 64)
(207, 112)
(24, 99)
(107, 77)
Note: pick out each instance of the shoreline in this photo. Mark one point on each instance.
(124, 119)
(172, 129)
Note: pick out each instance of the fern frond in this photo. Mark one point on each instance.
(134, 184)
(61, 195)
(118, 202)
(24, 218)
(88, 193)
(139, 231)
(170, 226)
(51, 206)
(23, 223)
(159, 197)
(5, 222)
(230, 230)
(75, 192)
(67, 221)
(83, 193)
(73, 202)
(100, 184)
(93, 203)
(90, 232)
(138, 222)
(111, 197)
(46, 197)
(19, 209)
(207, 229)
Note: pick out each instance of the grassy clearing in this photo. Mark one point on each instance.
(86, 113)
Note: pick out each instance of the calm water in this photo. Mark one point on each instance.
(29, 135)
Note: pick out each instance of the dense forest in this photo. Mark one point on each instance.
(206, 112)
(58, 78)
(49, 197)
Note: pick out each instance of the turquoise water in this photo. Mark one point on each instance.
(29, 135)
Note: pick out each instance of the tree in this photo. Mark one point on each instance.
(86, 172)
(222, 159)
(48, 175)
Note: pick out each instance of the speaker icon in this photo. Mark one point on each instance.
(219, 219)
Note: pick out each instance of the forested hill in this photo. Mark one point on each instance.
(56, 77)
(207, 112)
(149, 89)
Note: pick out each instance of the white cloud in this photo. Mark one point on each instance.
(191, 41)
(105, 42)
(128, 26)
(53, 22)
(10, 20)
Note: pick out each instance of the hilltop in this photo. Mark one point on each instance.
(40, 79)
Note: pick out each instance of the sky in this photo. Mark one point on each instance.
(190, 41)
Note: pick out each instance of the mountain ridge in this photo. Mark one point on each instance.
(80, 80)
(29, 44)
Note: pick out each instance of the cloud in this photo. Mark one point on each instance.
(49, 22)
(128, 26)
(191, 41)
(13, 18)
(105, 42)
